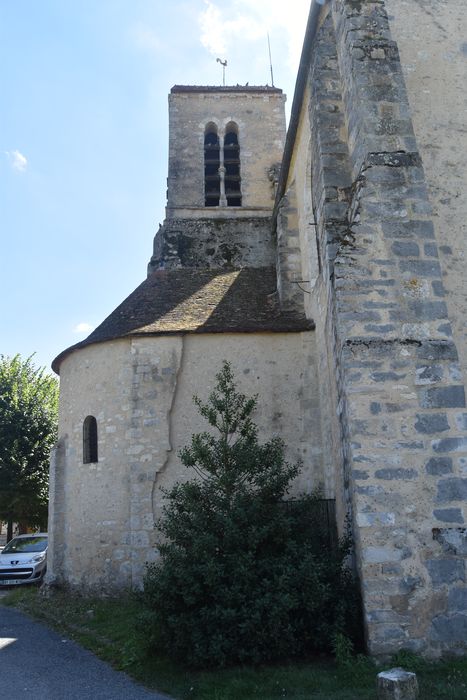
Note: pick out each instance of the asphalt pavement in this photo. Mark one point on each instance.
(36, 662)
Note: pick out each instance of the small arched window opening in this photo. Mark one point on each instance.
(212, 180)
(89, 440)
(232, 166)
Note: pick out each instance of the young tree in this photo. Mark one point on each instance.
(28, 429)
(243, 575)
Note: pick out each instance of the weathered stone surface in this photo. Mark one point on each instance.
(144, 389)
(207, 243)
(403, 249)
(190, 111)
(399, 474)
(442, 397)
(450, 629)
(429, 374)
(430, 423)
(397, 684)
(382, 554)
(449, 515)
(457, 600)
(452, 489)
(454, 444)
(437, 350)
(444, 571)
(453, 540)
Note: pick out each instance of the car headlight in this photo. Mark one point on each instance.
(38, 558)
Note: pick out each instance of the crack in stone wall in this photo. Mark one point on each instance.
(170, 426)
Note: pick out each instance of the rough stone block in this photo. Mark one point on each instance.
(438, 288)
(452, 539)
(428, 310)
(453, 489)
(437, 350)
(449, 629)
(446, 329)
(444, 571)
(386, 376)
(455, 444)
(384, 328)
(428, 375)
(442, 397)
(370, 519)
(449, 515)
(457, 600)
(397, 684)
(399, 473)
(430, 423)
(406, 249)
(431, 250)
(409, 229)
(359, 474)
(378, 555)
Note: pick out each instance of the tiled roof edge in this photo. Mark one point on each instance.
(299, 326)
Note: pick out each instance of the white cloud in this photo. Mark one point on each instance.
(212, 30)
(218, 31)
(17, 161)
(249, 20)
(83, 328)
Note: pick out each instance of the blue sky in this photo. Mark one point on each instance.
(83, 142)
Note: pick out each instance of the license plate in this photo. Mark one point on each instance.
(10, 582)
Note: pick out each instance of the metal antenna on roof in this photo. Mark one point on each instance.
(270, 62)
(223, 64)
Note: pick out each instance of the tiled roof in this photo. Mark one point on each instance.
(198, 301)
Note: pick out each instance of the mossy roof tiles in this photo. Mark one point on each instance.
(198, 301)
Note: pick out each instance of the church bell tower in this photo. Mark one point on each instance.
(225, 149)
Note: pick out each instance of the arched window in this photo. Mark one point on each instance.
(232, 166)
(89, 440)
(212, 180)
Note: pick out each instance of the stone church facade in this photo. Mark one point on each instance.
(326, 265)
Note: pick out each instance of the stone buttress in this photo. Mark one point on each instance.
(383, 331)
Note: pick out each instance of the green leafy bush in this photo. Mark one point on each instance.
(243, 576)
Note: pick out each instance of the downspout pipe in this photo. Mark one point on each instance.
(314, 21)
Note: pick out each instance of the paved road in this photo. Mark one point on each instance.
(36, 662)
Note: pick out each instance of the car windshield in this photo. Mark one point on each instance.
(26, 544)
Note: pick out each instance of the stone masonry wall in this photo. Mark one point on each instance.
(432, 40)
(256, 114)
(213, 243)
(140, 391)
(399, 389)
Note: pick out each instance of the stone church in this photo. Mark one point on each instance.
(326, 263)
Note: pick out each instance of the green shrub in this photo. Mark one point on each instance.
(242, 576)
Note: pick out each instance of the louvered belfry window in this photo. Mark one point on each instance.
(232, 166)
(222, 167)
(212, 179)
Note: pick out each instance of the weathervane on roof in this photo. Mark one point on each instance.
(223, 64)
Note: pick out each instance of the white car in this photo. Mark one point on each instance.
(24, 559)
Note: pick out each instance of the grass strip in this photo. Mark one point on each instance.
(107, 627)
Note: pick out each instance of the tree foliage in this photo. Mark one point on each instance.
(28, 429)
(243, 576)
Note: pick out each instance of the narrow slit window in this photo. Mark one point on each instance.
(89, 440)
(212, 181)
(232, 167)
